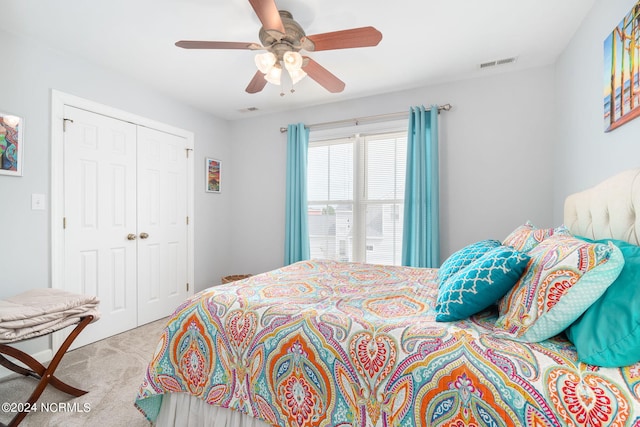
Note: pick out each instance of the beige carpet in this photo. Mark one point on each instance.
(111, 370)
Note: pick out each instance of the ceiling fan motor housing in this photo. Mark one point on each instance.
(278, 43)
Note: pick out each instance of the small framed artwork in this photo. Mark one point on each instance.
(213, 174)
(11, 145)
(622, 72)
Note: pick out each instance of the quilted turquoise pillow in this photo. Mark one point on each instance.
(608, 333)
(464, 257)
(480, 284)
(564, 277)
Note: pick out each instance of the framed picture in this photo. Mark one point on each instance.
(622, 71)
(213, 173)
(11, 145)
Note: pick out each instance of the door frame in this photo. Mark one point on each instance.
(58, 101)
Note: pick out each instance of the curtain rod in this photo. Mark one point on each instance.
(368, 119)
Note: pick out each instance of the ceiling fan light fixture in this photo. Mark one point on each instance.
(297, 75)
(282, 38)
(265, 61)
(274, 75)
(292, 61)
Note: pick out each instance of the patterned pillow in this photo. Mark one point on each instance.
(564, 277)
(464, 257)
(479, 284)
(528, 236)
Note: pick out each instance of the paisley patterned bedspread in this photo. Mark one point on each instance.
(322, 343)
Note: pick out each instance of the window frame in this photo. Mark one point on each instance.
(360, 200)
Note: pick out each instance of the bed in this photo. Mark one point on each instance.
(323, 343)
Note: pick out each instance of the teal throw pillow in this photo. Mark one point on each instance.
(464, 257)
(480, 284)
(608, 333)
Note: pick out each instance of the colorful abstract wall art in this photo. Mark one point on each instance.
(621, 71)
(213, 173)
(11, 147)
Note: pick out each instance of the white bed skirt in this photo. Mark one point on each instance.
(184, 410)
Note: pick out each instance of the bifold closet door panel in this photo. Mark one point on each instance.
(100, 215)
(162, 223)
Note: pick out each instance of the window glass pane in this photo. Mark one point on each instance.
(401, 165)
(318, 173)
(384, 233)
(330, 231)
(386, 160)
(374, 221)
(381, 170)
(340, 172)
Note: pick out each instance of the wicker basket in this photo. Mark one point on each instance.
(234, 277)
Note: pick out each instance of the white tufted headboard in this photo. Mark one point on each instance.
(608, 210)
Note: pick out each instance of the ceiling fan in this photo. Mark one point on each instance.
(283, 39)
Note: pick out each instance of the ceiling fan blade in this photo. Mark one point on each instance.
(197, 44)
(257, 83)
(268, 14)
(323, 76)
(345, 39)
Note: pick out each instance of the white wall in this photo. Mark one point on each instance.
(28, 74)
(496, 161)
(584, 153)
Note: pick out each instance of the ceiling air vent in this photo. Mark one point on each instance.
(497, 62)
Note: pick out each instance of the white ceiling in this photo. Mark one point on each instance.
(424, 42)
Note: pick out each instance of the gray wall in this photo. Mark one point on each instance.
(514, 145)
(27, 79)
(584, 153)
(496, 161)
(504, 152)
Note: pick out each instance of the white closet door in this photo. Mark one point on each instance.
(100, 218)
(162, 223)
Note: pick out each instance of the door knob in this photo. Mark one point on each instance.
(131, 236)
(143, 235)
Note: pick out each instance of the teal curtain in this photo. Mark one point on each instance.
(296, 245)
(421, 228)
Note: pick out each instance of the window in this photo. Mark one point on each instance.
(355, 192)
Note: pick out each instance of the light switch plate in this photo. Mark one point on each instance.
(38, 202)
